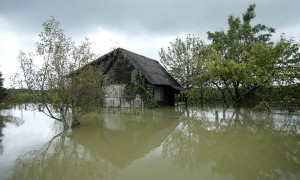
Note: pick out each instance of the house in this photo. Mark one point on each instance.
(122, 66)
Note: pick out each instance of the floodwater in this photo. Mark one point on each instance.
(168, 143)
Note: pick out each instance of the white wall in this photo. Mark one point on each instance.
(113, 97)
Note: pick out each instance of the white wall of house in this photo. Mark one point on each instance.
(114, 97)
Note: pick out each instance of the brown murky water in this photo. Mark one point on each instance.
(168, 143)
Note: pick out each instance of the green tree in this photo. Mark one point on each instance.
(244, 58)
(62, 83)
(180, 59)
(145, 90)
(2, 89)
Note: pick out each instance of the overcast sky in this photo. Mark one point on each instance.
(139, 26)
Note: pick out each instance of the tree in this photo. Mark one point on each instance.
(243, 59)
(180, 59)
(2, 89)
(63, 82)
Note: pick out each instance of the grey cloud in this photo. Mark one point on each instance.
(154, 17)
(135, 18)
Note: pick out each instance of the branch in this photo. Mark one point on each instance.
(50, 114)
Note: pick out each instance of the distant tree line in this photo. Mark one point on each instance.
(236, 65)
(3, 92)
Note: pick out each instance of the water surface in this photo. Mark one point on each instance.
(167, 143)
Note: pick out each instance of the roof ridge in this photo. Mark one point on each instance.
(127, 51)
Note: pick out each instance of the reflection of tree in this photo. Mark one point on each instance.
(62, 159)
(1, 133)
(8, 119)
(239, 146)
(102, 146)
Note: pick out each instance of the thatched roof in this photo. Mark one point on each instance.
(150, 68)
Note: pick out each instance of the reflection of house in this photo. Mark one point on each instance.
(122, 67)
(121, 139)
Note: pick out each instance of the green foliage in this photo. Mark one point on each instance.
(281, 94)
(145, 90)
(262, 107)
(180, 59)
(17, 96)
(239, 63)
(2, 89)
(243, 59)
(128, 93)
(3, 94)
(87, 89)
(62, 83)
(142, 88)
(203, 95)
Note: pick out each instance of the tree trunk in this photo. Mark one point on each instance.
(66, 126)
(246, 98)
(63, 119)
(75, 119)
(237, 92)
(202, 94)
(224, 96)
(238, 102)
(75, 122)
(223, 92)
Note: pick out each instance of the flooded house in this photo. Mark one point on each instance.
(122, 67)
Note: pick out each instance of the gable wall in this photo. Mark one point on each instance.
(120, 72)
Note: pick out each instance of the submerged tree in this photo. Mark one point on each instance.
(62, 83)
(243, 59)
(180, 59)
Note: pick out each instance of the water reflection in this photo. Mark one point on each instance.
(4, 119)
(191, 143)
(1, 133)
(244, 144)
(104, 144)
(60, 158)
(123, 139)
